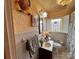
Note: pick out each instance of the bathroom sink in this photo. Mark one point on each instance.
(47, 44)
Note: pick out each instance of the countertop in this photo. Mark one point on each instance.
(48, 48)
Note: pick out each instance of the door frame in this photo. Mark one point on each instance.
(9, 37)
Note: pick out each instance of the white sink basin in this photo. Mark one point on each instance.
(47, 44)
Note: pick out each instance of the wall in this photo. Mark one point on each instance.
(59, 36)
(22, 22)
(21, 51)
(71, 35)
(23, 31)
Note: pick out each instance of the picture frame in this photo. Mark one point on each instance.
(34, 21)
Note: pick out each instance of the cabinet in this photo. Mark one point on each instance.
(44, 54)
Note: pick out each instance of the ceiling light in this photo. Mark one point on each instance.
(64, 2)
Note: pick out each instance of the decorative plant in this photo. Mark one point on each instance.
(46, 33)
(41, 42)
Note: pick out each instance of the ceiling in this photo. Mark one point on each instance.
(52, 8)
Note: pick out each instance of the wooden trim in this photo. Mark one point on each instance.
(39, 24)
(6, 44)
(42, 25)
(10, 51)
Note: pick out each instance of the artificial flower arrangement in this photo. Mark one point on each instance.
(46, 33)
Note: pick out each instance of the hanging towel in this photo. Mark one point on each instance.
(29, 49)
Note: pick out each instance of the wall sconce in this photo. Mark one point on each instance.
(43, 14)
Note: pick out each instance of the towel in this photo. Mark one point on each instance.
(29, 49)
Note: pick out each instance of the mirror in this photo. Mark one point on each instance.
(59, 24)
